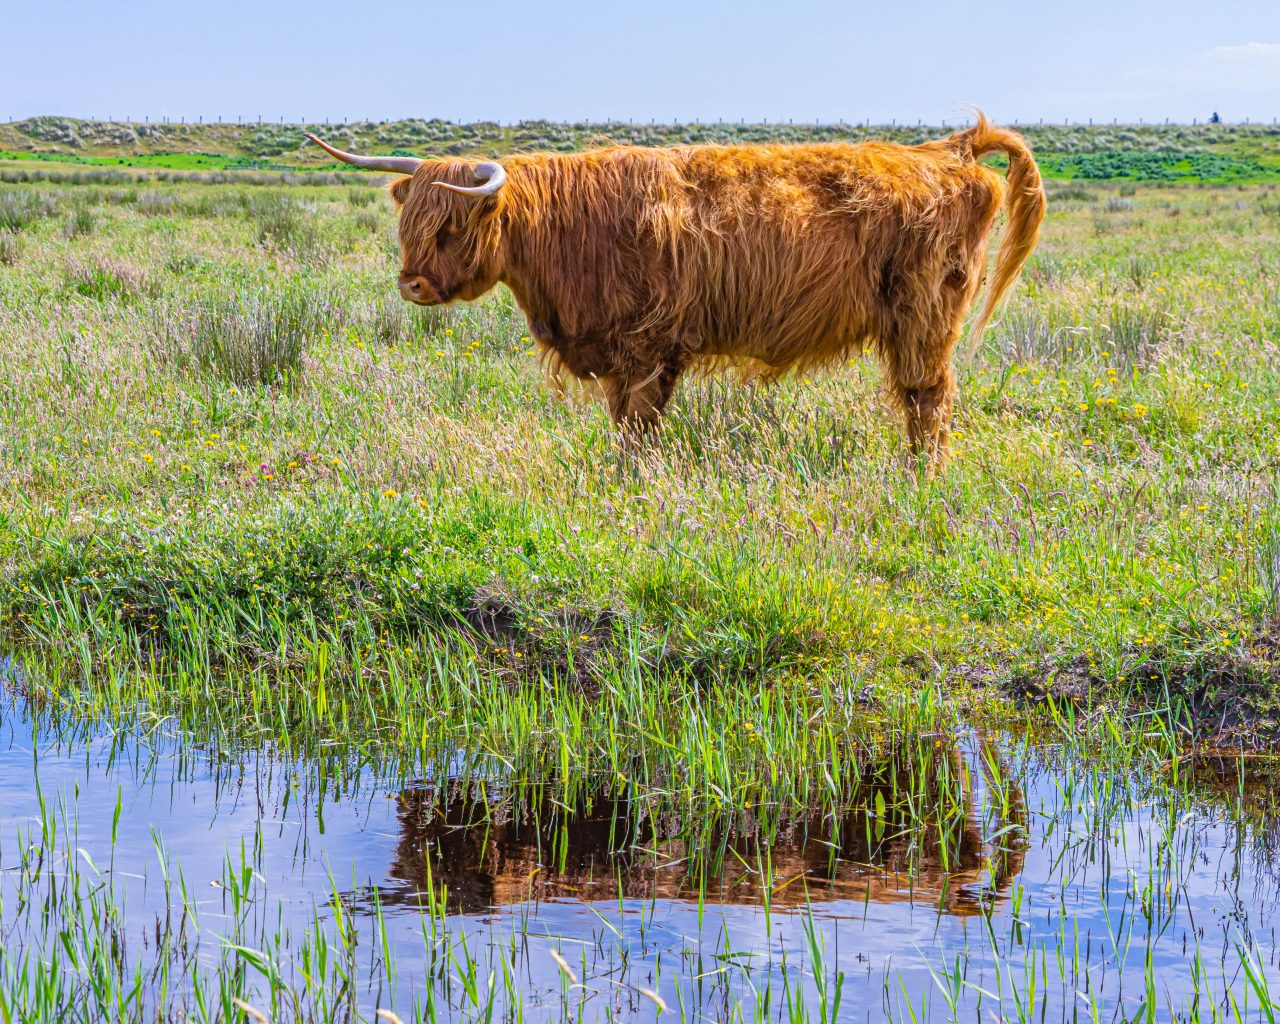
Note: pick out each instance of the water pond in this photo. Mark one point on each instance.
(144, 877)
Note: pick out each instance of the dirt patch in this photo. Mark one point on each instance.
(979, 675)
(1231, 697)
(566, 643)
(494, 620)
(1069, 682)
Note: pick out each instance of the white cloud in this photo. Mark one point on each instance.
(1245, 66)
(1241, 67)
(1269, 53)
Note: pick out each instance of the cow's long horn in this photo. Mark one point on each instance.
(396, 164)
(492, 174)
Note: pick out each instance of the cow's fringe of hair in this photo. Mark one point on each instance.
(743, 369)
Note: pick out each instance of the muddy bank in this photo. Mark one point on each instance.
(1227, 698)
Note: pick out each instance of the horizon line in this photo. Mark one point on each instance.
(864, 123)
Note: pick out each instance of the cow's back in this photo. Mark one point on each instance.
(793, 255)
(789, 256)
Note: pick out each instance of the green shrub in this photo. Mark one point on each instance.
(1070, 193)
(104, 278)
(1115, 164)
(249, 339)
(18, 208)
(288, 226)
(1136, 334)
(79, 223)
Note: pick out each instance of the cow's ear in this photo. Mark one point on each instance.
(399, 190)
(484, 210)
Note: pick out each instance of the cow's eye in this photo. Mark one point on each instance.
(444, 237)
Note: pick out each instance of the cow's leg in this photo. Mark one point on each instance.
(927, 410)
(917, 351)
(637, 400)
(923, 387)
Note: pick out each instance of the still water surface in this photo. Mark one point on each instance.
(1062, 891)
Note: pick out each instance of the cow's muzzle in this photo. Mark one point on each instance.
(416, 288)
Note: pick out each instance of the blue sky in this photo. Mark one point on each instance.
(571, 60)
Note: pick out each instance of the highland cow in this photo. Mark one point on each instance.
(635, 264)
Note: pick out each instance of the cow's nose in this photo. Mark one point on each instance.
(414, 288)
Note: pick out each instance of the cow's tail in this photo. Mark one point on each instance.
(1024, 209)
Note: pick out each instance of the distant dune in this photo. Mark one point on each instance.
(1177, 152)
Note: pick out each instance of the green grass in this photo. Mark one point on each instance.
(180, 161)
(1118, 165)
(1223, 153)
(227, 446)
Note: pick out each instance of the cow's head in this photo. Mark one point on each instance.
(450, 223)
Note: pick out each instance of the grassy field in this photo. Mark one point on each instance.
(229, 447)
(1221, 153)
(250, 494)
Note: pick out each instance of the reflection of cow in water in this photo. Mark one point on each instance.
(611, 847)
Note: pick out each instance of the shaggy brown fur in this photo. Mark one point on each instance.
(635, 264)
